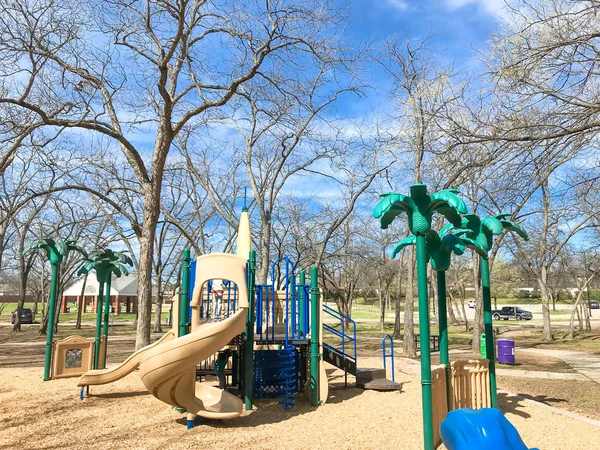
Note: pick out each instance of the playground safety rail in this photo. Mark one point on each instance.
(288, 306)
(470, 381)
(341, 333)
(388, 355)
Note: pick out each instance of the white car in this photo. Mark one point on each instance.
(472, 304)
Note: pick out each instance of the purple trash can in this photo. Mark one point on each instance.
(506, 351)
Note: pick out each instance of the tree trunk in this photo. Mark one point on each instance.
(478, 321)
(263, 271)
(409, 307)
(144, 315)
(44, 323)
(81, 303)
(397, 318)
(23, 276)
(586, 313)
(381, 306)
(451, 315)
(36, 301)
(158, 309)
(44, 310)
(573, 312)
(22, 291)
(464, 311)
(432, 290)
(542, 283)
(58, 310)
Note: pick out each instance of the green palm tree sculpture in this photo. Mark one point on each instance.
(420, 207)
(439, 253)
(105, 263)
(55, 252)
(481, 233)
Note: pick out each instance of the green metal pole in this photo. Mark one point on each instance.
(315, 326)
(249, 352)
(302, 304)
(98, 324)
(106, 316)
(484, 268)
(443, 326)
(425, 342)
(184, 294)
(50, 328)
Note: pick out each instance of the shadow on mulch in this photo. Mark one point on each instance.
(269, 411)
(339, 393)
(119, 394)
(510, 404)
(546, 400)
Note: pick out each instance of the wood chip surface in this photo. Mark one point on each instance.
(49, 415)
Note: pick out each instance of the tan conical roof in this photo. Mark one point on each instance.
(244, 240)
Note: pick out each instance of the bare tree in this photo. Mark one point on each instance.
(74, 81)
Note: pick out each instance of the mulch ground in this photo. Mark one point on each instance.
(581, 397)
(49, 415)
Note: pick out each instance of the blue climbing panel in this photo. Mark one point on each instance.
(484, 429)
(276, 375)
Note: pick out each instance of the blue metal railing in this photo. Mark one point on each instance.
(288, 265)
(388, 355)
(341, 332)
(286, 311)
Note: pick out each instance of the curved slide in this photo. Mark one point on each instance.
(169, 370)
(105, 376)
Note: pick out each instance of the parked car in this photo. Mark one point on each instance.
(26, 316)
(511, 312)
(472, 304)
(593, 305)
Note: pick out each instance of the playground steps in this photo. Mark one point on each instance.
(375, 379)
(366, 378)
(340, 361)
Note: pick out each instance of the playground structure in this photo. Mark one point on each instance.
(273, 332)
(470, 384)
(467, 429)
(76, 355)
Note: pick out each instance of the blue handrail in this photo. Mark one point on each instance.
(388, 355)
(288, 274)
(341, 332)
(269, 309)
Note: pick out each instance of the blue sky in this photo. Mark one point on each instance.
(458, 28)
(457, 24)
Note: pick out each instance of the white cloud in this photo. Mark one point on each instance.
(495, 7)
(398, 4)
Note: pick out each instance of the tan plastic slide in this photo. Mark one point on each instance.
(105, 376)
(169, 370)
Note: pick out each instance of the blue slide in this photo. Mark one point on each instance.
(485, 429)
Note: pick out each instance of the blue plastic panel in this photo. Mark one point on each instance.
(484, 429)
